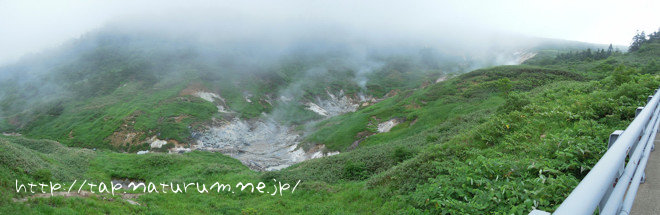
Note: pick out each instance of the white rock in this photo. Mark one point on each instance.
(156, 143)
(211, 97)
(387, 126)
(319, 110)
(208, 96)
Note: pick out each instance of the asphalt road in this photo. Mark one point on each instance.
(647, 200)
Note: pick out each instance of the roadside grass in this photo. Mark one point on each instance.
(21, 160)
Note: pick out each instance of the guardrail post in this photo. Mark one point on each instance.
(611, 141)
(649, 99)
(643, 178)
(634, 145)
(613, 138)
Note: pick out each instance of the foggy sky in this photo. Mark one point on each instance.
(30, 26)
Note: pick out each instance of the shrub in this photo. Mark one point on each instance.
(431, 138)
(355, 171)
(158, 160)
(514, 101)
(401, 154)
(42, 175)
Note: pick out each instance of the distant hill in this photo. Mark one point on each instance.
(411, 139)
(112, 83)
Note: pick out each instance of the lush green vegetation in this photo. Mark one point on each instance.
(498, 140)
(92, 123)
(528, 151)
(106, 85)
(479, 92)
(28, 160)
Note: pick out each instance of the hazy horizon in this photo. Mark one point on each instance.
(28, 27)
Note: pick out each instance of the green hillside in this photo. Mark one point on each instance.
(105, 85)
(497, 140)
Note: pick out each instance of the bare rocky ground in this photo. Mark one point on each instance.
(260, 145)
(265, 144)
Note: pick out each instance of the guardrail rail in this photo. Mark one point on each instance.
(611, 185)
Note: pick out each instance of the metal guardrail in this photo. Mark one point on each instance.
(612, 179)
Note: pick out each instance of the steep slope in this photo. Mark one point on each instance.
(528, 150)
(139, 92)
(503, 139)
(121, 78)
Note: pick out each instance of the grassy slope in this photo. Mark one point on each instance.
(528, 153)
(473, 92)
(152, 110)
(117, 77)
(112, 83)
(88, 123)
(531, 152)
(509, 146)
(20, 158)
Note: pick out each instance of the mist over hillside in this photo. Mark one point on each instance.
(314, 107)
(265, 80)
(154, 52)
